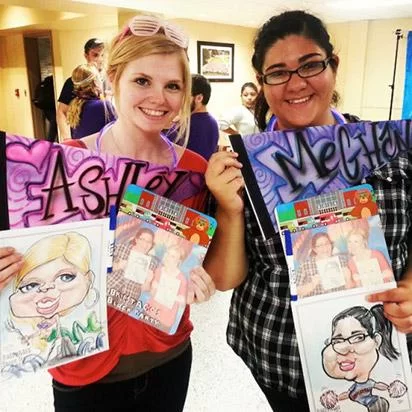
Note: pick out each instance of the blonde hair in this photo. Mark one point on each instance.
(86, 86)
(359, 231)
(72, 246)
(126, 48)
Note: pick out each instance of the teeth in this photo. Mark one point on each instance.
(297, 101)
(151, 112)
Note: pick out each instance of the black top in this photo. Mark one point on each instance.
(66, 95)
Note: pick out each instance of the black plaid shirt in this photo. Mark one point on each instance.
(260, 326)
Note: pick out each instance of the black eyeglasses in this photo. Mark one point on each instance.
(339, 345)
(309, 69)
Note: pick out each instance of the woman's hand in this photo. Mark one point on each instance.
(224, 180)
(10, 263)
(397, 304)
(200, 286)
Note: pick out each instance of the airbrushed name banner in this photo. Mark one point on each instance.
(285, 166)
(48, 183)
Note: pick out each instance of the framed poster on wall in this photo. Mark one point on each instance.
(215, 61)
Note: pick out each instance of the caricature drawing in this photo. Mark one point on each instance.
(359, 337)
(55, 279)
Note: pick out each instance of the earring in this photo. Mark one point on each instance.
(92, 298)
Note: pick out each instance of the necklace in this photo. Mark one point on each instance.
(109, 127)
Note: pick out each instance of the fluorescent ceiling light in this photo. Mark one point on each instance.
(368, 4)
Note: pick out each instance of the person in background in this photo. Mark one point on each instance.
(87, 112)
(44, 100)
(144, 369)
(241, 119)
(296, 67)
(94, 54)
(204, 131)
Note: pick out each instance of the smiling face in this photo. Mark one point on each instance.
(50, 289)
(248, 97)
(323, 247)
(356, 244)
(150, 92)
(299, 102)
(351, 361)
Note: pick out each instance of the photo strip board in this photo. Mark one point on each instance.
(158, 243)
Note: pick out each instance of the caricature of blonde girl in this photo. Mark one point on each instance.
(55, 279)
(359, 337)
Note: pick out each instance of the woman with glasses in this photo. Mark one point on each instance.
(359, 336)
(144, 369)
(322, 271)
(132, 278)
(296, 66)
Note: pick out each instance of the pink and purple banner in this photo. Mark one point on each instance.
(285, 166)
(46, 183)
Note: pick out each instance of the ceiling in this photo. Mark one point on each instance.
(254, 12)
(249, 13)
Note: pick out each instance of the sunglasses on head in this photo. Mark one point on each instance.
(150, 25)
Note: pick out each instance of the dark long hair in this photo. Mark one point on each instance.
(296, 22)
(250, 85)
(374, 321)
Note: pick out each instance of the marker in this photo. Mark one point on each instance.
(112, 231)
(291, 265)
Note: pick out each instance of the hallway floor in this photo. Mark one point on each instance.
(220, 382)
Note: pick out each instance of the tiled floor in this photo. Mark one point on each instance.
(220, 382)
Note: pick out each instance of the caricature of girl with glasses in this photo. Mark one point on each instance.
(55, 279)
(359, 336)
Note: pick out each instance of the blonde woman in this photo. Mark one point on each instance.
(54, 280)
(367, 266)
(144, 369)
(88, 112)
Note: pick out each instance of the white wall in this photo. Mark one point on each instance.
(68, 49)
(367, 53)
(224, 94)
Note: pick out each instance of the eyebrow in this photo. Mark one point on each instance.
(354, 332)
(140, 74)
(300, 60)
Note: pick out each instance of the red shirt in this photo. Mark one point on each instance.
(127, 335)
